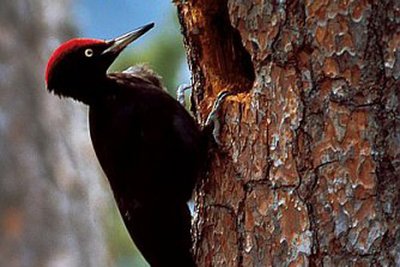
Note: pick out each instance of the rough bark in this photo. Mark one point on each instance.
(48, 175)
(309, 168)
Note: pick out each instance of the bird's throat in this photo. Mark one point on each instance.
(86, 91)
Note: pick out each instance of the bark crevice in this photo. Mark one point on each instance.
(311, 153)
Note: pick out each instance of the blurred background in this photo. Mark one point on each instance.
(56, 207)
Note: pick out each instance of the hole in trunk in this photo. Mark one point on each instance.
(217, 48)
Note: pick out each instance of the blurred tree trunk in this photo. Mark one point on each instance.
(45, 217)
(309, 168)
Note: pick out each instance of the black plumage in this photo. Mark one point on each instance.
(148, 145)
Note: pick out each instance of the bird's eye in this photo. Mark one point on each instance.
(88, 52)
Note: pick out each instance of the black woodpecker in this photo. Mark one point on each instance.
(148, 145)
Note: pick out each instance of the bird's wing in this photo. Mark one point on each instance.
(144, 73)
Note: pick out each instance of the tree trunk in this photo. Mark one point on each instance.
(48, 174)
(308, 172)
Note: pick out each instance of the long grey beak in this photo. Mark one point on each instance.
(119, 43)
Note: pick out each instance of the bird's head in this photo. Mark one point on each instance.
(77, 67)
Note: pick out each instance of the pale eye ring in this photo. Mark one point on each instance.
(89, 52)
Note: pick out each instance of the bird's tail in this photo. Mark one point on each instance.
(162, 234)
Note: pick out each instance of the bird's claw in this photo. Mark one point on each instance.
(213, 118)
(180, 93)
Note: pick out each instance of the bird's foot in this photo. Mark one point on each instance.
(213, 118)
(180, 93)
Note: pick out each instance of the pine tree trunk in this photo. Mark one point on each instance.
(308, 173)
